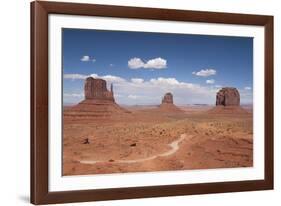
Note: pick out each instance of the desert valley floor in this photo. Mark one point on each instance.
(154, 139)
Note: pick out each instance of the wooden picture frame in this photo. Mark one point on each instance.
(40, 193)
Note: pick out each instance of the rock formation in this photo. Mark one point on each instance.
(95, 90)
(99, 102)
(228, 102)
(168, 104)
(168, 98)
(228, 96)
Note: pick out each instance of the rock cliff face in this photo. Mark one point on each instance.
(99, 103)
(168, 104)
(168, 99)
(228, 96)
(95, 89)
(228, 102)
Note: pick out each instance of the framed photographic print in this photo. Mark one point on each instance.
(133, 102)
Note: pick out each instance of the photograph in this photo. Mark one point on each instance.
(130, 102)
(138, 101)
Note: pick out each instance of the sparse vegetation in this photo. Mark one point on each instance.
(217, 141)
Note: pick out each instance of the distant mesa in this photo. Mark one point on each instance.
(99, 102)
(96, 92)
(168, 98)
(167, 104)
(228, 102)
(228, 96)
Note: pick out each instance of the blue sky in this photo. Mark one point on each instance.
(143, 66)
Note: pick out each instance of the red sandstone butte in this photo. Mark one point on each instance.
(167, 104)
(228, 102)
(96, 92)
(168, 98)
(99, 102)
(228, 96)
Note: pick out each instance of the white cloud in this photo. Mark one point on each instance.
(85, 58)
(131, 96)
(246, 95)
(137, 80)
(73, 95)
(111, 65)
(109, 78)
(74, 76)
(218, 86)
(205, 73)
(161, 80)
(135, 63)
(172, 82)
(210, 81)
(139, 98)
(157, 63)
(139, 91)
(152, 91)
(118, 95)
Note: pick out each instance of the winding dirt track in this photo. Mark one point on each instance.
(174, 148)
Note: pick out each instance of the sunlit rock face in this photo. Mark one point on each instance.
(168, 98)
(167, 104)
(95, 89)
(98, 103)
(228, 96)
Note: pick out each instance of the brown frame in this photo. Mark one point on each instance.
(39, 102)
